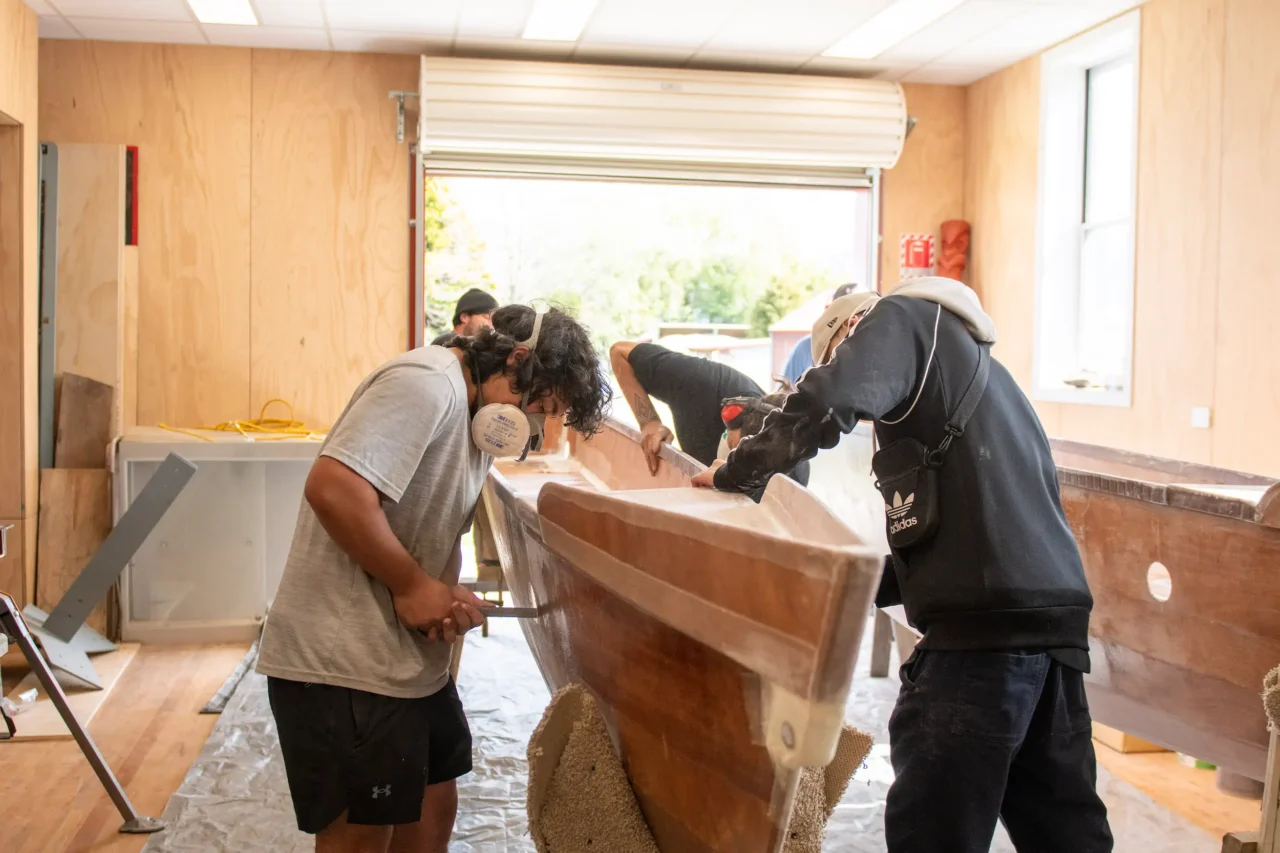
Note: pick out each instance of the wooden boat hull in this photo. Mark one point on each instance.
(703, 649)
(1185, 673)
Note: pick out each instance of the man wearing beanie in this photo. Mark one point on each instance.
(992, 721)
(473, 312)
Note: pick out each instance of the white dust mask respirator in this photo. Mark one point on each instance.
(501, 429)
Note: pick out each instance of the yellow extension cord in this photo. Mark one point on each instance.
(260, 429)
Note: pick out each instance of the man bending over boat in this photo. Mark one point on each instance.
(357, 645)
(991, 720)
(713, 405)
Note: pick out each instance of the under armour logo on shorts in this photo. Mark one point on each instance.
(384, 791)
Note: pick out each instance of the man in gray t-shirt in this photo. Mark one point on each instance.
(356, 647)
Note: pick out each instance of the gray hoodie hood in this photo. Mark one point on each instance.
(957, 298)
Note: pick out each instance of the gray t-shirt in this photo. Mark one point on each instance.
(407, 430)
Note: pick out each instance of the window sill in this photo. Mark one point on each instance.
(1084, 396)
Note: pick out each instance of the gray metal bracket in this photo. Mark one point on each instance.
(399, 97)
(12, 624)
(48, 267)
(63, 634)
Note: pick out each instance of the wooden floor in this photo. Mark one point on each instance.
(150, 732)
(148, 729)
(1184, 790)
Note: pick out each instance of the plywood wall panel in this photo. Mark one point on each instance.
(18, 276)
(187, 110)
(926, 188)
(1003, 129)
(1176, 261)
(330, 225)
(13, 572)
(90, 269)
(1248, 316)
(11, 330)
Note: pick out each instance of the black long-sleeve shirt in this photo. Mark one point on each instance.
(1003, 571)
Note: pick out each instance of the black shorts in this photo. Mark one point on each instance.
(368, 755)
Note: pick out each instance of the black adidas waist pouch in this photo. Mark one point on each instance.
(907, 470)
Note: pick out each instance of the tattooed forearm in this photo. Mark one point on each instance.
(643, 409)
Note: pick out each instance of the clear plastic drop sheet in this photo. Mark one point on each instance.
(236, 798)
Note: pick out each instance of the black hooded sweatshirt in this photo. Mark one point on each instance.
(1002, 572)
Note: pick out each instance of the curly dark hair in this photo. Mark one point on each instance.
(565, 362)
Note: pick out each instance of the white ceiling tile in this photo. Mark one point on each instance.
(134, 10)
(289, 13)
(516, 48)
(365, 41)
(53, 27)
(967, 22)
(406, 17)
(950, 75)
(41, 7)
(748, 60)
(630, 53)
(856, 67)
(798, 26)
(1040, 27)
(108, 29)
(660, 23)
(285, 38)
(493, 18)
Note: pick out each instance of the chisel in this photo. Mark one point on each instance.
(514, 612)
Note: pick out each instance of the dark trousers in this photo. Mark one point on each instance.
(977, 736)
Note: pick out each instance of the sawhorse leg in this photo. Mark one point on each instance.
(880, 641)
(1267, 838)
(14, 626)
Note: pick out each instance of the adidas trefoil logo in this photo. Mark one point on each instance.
(900, 507)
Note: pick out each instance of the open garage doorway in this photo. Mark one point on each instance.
(733, 273)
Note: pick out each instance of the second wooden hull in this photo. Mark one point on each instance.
(1186, 672)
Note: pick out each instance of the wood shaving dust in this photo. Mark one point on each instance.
(581, 802)
(589, 806)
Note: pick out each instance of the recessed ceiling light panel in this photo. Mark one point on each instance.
(559, 20)
(224, 12)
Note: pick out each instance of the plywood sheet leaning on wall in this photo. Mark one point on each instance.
(84, 422)
(90, 265)
(75, 518)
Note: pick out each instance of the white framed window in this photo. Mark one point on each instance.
(1085, 236)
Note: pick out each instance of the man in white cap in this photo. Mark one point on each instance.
(837, 322)
(801, 358)
(841, 476)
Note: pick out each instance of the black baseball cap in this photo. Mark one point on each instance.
(842, 290)
(474, 301)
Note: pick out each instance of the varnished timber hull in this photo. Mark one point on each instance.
(702, 646)
(1184, 673)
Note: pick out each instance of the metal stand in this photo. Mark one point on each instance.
(66, 640)
(14, 626)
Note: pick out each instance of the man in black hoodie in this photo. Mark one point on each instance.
(991, 720)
